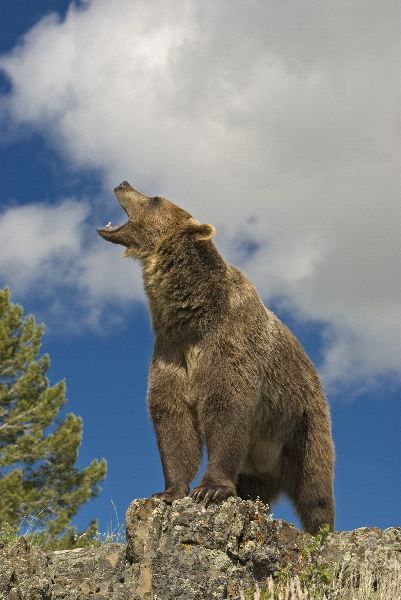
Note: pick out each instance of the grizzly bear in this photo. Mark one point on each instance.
(225, 373)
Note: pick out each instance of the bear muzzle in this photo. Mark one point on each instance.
(124, 185)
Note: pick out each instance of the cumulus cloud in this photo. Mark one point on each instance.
(273, 120)
(46, 249)
(39, 242)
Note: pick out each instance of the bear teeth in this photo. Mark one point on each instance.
(109, 225)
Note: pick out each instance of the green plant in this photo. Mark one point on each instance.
(313, 575)
(38, 448)
(316, 573)
(8, 534)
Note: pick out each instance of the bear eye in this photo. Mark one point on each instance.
(155, 200)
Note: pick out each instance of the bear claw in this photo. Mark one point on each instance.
(212, 494)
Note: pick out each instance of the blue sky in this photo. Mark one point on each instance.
(274, 123)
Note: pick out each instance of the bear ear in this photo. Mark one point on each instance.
(202, 231)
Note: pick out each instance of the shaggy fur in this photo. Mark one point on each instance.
(225, 372)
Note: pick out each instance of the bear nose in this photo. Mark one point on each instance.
(123, 185)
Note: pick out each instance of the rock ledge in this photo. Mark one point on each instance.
(189, 551)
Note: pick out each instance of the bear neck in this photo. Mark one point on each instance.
(186, 285)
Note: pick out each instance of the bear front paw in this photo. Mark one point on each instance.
(212, 493)
(172, 493)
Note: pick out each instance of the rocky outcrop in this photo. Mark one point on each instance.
(30, 573)
(190, 551)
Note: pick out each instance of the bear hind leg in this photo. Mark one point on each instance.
(309, 478)
(315, 512)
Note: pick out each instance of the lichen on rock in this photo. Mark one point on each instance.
(195, 552)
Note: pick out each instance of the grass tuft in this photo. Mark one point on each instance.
(31, 528)
(360, 585)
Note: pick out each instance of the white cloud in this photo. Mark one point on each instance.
(47, 249)
(39, 242)
(273, 120)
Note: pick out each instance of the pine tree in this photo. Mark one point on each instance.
(38, 450)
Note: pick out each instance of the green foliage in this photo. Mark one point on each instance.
(283, 575)
(314, 575)
(38, 450)
(8, 534)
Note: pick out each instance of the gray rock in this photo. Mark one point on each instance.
(191, 551)
(32, 574)
(188, 551)
(367, 546)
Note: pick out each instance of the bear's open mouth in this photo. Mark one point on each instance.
(110, 227)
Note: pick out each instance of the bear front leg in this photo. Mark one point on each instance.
(176, 429)
(225, 419)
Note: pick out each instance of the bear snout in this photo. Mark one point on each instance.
(124, 185)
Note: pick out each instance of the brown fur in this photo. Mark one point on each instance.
(225, 372)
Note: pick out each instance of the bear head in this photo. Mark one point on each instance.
(150, 221)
